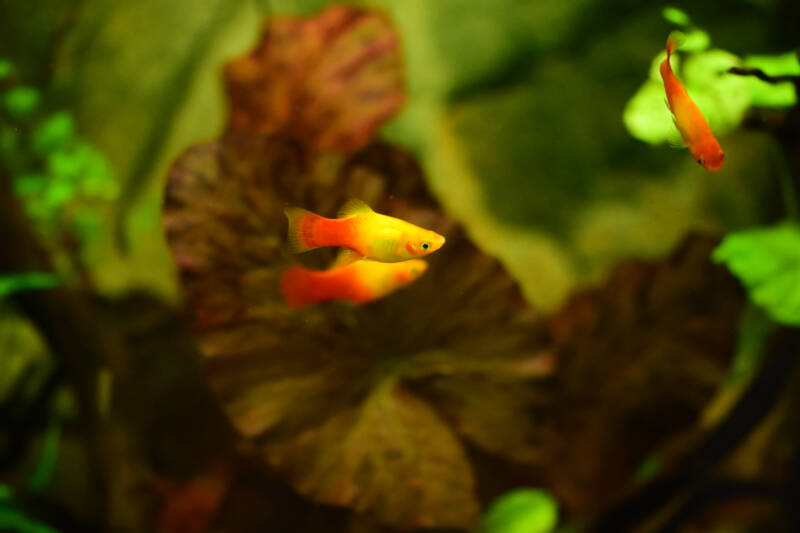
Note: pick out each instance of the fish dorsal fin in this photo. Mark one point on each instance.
(345, 257)
(354, 207)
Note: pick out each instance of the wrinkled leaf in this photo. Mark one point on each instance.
(394, 437)
(281, 372)
(767, 262)
(663, 333)
(309, 386)
(330, 80)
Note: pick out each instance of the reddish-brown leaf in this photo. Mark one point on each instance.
(330, 80)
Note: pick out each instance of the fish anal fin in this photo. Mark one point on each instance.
(346, 257)
(354, 207)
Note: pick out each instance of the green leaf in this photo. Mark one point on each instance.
(29, 185)
(767, 262)
(773, 95)
(47, 462)
(12, 519)
(5, 68)
(723, 98)
(13, 283)
(648, 468)
(695, 40)
(675, 16)
(21, 101)
(54, 133)
(521, 511)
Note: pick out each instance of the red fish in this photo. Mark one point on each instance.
(688, 119)
(358, 282)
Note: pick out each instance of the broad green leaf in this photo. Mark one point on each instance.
(780, 95)
(54, 133)
(12, 283)
(521, 511)
(767, 262)
(21, 101)
(694, 40)
(675, 16)
(723, 98)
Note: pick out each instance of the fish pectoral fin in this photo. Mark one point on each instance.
(346, 257)
(354, 207)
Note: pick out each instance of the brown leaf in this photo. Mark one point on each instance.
(393, 437)
(284, 373)
(657, 338)
(330, 80)
(324, 392)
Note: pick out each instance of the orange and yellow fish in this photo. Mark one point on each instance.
(363, 231)
(358, 282)
(688, 119)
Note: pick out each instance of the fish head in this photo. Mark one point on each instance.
(424, 242)
(710, 156)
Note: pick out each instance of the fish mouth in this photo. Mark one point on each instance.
(437, 242)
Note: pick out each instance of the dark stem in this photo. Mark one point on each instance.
(755, 403)
(763, 76)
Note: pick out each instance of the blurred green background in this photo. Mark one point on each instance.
(515, 110)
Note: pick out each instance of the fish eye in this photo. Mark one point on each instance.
(425, 245)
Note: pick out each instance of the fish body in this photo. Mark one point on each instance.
(358, 282)
(688, 119)
(362, 230)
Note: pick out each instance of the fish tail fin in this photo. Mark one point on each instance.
(301, 229)
(671, 45)
(295, 286)
(665, 67)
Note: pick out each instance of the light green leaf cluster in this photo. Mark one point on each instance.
(723, 98)
(773, 95)
(521, 511)
(60, 178)
(767, 262)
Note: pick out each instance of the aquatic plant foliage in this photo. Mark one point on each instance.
(340, 399)
(61, 179)
(371, 407)
(521, 511)
(773, 95)
(766, 261)
(12, 283)
(723, 98)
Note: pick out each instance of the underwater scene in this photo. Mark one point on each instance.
(399, 266)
